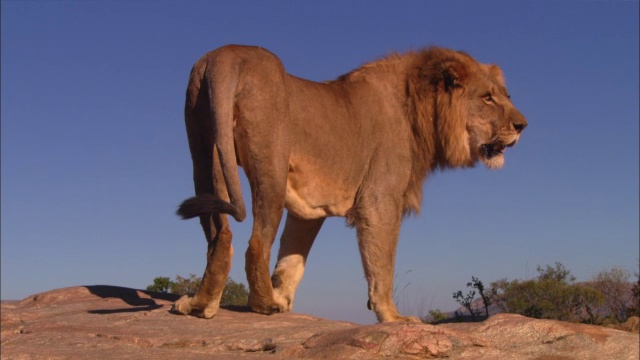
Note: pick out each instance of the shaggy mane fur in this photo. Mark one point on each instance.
(431, 95)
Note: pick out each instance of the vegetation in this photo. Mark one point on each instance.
(467, 300)
(487, 297)
(436, 315)
(552, 295)
(608, 298)
(160, 284)
(614, 286)
(233, 294)
(397, 291)
(185, 286)
(634, 307)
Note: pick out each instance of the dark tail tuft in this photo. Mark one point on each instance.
(205, 204)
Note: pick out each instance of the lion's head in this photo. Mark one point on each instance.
(493, 122)
(478, 119)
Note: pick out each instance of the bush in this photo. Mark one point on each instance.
(614, 285)
(436, 316)
(233, 294)
(160, 284)
(552, 295)
(634, 309)
(634, 306)
(186, 286)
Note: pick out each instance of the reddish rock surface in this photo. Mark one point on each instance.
(108, 322)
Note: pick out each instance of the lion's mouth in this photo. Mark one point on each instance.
(493, 149)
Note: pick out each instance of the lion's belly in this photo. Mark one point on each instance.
(313, 197)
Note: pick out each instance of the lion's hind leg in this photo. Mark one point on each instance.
(267, 174)
(206, 301)
(295, 243)
(267, 212)
(208, 179)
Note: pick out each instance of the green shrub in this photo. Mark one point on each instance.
(233, 294)
(552, 295)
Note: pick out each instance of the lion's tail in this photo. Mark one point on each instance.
(204, 204)
(221, 85)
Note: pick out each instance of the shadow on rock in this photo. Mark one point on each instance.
(131, 297)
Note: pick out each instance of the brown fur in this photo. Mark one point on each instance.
(358, 147)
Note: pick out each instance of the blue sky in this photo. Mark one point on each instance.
(95, 156)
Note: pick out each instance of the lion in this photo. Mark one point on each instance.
(358, 147)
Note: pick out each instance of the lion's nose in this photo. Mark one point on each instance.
(519, 126)
(518, 121)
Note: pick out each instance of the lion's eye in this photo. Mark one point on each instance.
(488, 98)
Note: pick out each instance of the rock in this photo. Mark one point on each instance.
(632, 325)
(108, 322)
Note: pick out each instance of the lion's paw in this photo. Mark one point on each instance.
(182, 306)
(282, 301)
(266, 307)
(210, 312)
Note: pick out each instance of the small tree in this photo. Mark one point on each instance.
(634, 309)
(234, 294)
(614, 285)
(160, 284)
(487, 296)
(467, 302)
(186, 286)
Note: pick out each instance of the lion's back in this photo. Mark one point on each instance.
(235, 54)
(233, 70)
(251, 64)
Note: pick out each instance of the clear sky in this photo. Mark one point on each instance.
(95, 156)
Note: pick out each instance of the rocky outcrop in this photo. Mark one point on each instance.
(107, 322)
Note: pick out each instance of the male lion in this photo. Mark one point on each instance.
(357, 147)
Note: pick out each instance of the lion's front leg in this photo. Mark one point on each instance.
(378, 230)
(295, 243)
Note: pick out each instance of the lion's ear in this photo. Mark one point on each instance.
(453, 73)
(495, 71)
